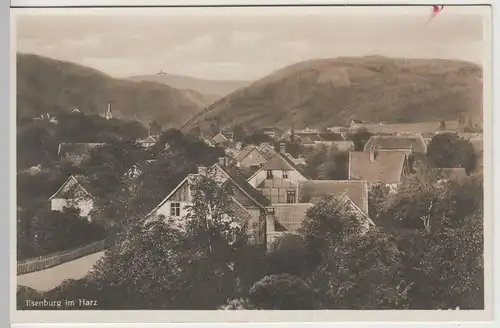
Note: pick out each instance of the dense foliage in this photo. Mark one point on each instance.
(450, 150)
(327, 163)
(43, 232)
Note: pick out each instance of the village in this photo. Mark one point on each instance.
(273, 189)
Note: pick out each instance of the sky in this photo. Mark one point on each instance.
(245, 43)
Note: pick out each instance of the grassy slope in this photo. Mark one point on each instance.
(328, 92)
(47, 85)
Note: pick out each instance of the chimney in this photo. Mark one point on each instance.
(222, 161)
(270, 228)
(282, 148)
(202, 170)
(373, 153)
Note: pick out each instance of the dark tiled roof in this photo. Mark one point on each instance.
(314, 190)
(422, 127)
(416, 143)
(281, 162)
(239, 180)
(267, 150)
(387, 167)
(241, 214)
(246, 151)
(289, 217)
(331, 136)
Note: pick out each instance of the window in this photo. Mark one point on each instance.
(285, 174)
(269, 174)
(175, 209)
(290, 197)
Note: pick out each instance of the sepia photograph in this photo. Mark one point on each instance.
(314, 159)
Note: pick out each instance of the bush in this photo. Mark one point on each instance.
(282, 292)
(44, 232)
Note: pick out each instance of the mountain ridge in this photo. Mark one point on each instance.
(333, 91)
(212, 88)
(46, 85)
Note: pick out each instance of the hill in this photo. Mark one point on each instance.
(47, 85)
(327, 92)
(213, 89)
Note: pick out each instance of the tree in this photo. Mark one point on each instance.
(154, 128)
(360, 138)
(363, 272)
(288, 256)
(420, 203)
(188, 266)
(282, 292)
(448, 150)
(239, 132)
(376, 199)
(328, 163)
(327, 224)
(454, 267)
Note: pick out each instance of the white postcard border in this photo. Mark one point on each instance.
(271, 316)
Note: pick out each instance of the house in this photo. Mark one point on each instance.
(139, 169)
(272, 132)
(232, 152)
(76, 152)
(288, 218)
(148, 142)
(247, 201)
(339, 129)
(299, 161)
(222, 138)
(277, 179)
(208, 142)
(76, 110)
(307, 131)
(251, 157)
(267, 150)
(356, 124)
(384, 167)
(284, 219)
(75, 192)
(407, 144)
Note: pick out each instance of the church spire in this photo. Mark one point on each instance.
(109, 114)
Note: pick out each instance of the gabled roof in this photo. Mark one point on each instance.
(387, 167)
(357, 121)
(247, 151)
(289, 217)
(267, 150)
(330, 136)
(421, 127)
(150, 139)
(79, 180)
(241, 183)
(191, 179)
(310, 191)
(281, 162)
(219, 137)
(416, 143)
(77, 148)
(274, 129)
